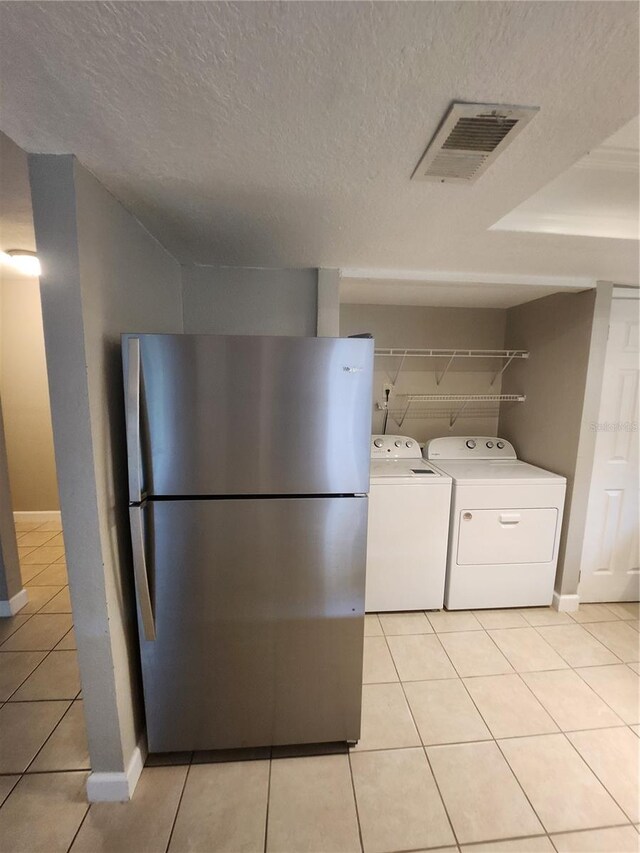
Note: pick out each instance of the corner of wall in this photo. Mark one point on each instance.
(568, 578)
(562, 380)
(103, 274)
(328, 311)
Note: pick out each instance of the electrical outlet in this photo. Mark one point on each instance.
(387, 386)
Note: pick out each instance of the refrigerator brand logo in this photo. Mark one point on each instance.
(349, 369)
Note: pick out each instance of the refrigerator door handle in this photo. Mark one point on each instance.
(140, 572)
(133, 420)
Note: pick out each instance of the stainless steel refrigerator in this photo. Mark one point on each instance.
(248, 477)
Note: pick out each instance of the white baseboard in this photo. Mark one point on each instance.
(117, 787)
(39, 516)
(14, 604)
(565, 603)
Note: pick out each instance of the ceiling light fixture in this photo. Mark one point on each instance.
(24, 261)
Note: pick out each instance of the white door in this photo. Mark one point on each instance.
(610, 554)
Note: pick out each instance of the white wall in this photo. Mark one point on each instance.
(438, 328)
(102, 275)
(249, 301)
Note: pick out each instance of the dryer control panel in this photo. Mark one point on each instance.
(469, 447)
(394, 447)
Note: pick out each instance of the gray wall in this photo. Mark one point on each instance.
(249, 301)
(437, 328)
(102, 274)
(560, 380)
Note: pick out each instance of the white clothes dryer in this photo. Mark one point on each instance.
(506, 517)
(408, 526)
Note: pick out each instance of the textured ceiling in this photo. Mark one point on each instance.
(285, 134)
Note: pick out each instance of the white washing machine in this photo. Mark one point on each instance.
(409, 504)
(505, 524)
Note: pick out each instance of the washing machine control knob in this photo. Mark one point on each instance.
(471, 444)
(409, 444)
(378, 442)
(500, 445)
(489, 444)
(398, 443)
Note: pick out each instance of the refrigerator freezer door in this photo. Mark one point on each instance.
(243, 415)
(259, 619)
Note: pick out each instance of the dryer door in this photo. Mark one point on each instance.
(499, 536)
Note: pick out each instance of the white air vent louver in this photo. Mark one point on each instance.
(469, 140)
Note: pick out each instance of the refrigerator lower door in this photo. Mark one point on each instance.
(258, 609)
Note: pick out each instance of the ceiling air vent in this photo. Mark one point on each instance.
(469, 140)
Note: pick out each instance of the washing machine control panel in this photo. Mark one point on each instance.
(394, 447)
(469, 447)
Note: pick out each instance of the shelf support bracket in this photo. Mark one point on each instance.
(404, 414)
(444, 372)
(454, 416)
(395, 378)
(500, 372)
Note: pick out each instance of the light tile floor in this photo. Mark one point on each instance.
(508, 731)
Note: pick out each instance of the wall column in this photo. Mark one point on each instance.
(328, 303)
(13, 596)
(568, 578)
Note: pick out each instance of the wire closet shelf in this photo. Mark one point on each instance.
(463, 399)
(506, 355)
(401, 412)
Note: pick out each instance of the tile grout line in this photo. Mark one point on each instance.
(48, 652)
(537, 816)
(590, 768)
(30, 701)
(9, 700)
(458, 677)
(495, 740)
(175, 817)
(37, 666)
(560, 729)
(544, 834)
(81, 824)
(604, 646)
(486, 739)
(48, 738)
(355, 801)
(602, 642)
(589, 728)
(424, 749)
(521, 786)
(23, 533)
(24, 773)
(601, 698)
(266, 815)
(29, 616)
